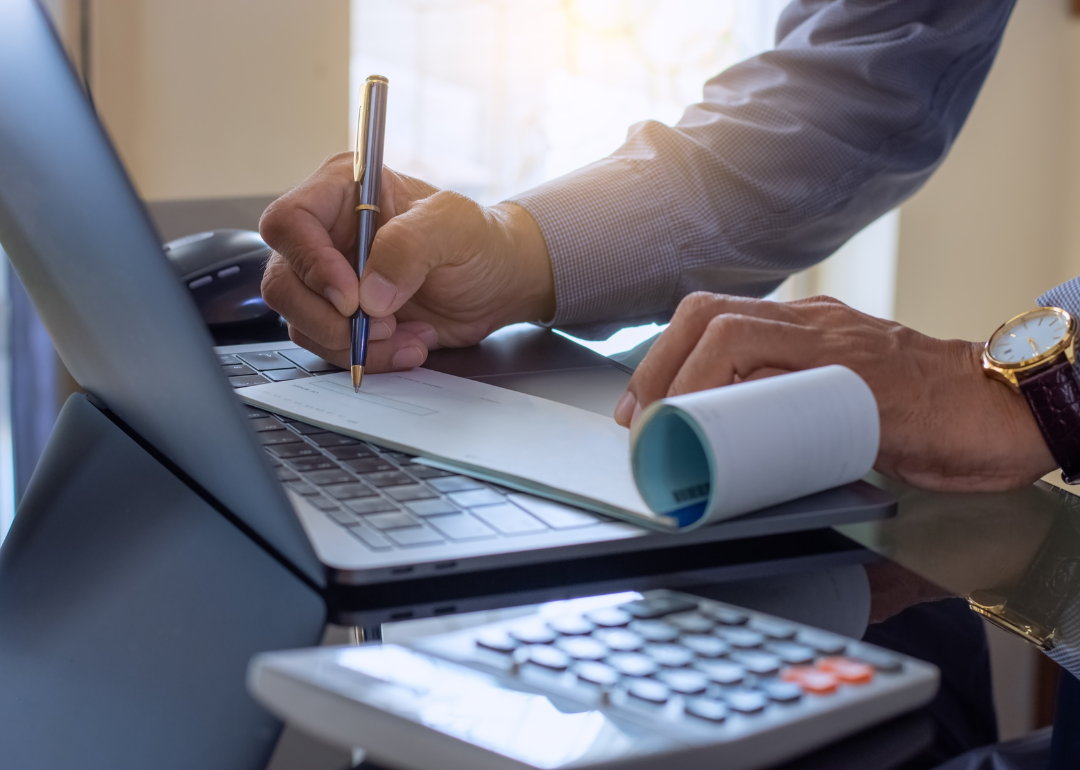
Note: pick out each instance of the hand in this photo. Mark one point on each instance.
(944, 424)
(443, 270)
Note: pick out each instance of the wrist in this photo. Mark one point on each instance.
(531, 290)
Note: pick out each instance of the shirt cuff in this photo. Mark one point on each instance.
(611, 256)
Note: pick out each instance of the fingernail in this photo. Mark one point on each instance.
(408, 358)
(429, 336)
(337, 299)
(625, 408)
(376, 294)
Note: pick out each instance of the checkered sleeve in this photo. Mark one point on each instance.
(1067, 297)
(788, 155)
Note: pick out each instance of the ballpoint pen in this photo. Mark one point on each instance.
(367, 173)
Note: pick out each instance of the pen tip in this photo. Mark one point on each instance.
(357, 378)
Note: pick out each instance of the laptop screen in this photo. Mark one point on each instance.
(125, 327)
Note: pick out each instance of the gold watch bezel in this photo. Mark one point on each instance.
(1007, 372)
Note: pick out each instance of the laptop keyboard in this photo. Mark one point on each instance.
(380, 496)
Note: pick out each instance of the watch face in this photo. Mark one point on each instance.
(1029, 336)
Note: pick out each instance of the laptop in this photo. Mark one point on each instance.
(340, 511)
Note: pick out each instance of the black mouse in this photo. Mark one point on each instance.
(224, 269)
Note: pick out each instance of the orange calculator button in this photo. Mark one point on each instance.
(811, 680)
(847, 671)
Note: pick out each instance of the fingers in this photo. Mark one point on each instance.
(406, 348)
(312, 227)
(310, 314)
(654, 376)
(428, 234)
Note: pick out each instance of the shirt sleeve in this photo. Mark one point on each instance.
(789, 154)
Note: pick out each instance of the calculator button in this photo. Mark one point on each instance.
(620, 640)
(547, 657)
(496, 639)
(691, 622)
(705, 646)
(746, 701)
(791, 653)
(823, 643)
(773, 629)
(782, 692)
(654, 630)
(741, 638)
(880, 660)
(609, 617)
(847, 671)
(722, 671)
(572, 625)
(670, 655)
(811, 680)
(597, 673)
(725, 616)
(760, 663)
(706, 708)
(532, 633)
(649, 690)
(657, 606)
(683, 680)
(583, 648)
(632, 664)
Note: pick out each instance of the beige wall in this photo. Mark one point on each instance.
(212, 98)
(998, 223)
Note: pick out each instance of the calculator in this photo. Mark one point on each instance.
(664, 680)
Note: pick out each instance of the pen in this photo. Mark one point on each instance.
(367, 173)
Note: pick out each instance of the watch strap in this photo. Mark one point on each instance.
(1054, 397)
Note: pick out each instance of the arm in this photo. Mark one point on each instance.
(790, 153)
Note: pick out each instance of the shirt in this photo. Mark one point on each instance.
(788, 155)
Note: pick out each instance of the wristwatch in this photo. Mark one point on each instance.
(1033, 353)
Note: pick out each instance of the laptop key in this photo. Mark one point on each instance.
(262, 424)
(415, 536)
(332, 476)
(370, 464)
(251, 412)
(370, 505)
(322, 503)
(247, 381)
(331, 439)
(387, 479)
(302, 488)
(350, 452)
(477, 497)
(281, 375)
(555, 515)
(455, 484)
(295, 449)
(434, 507)
(370, 537)
(238, 370)
(285, 474)
(308, 360)
(229, 360)
(304, 429)
(461, 526)
(426, 471)
(508, 519)
(410, 492)
(316, 463)
(276, 437)
(350, 491)
(342, 516)
(266, 360)
(395, 520)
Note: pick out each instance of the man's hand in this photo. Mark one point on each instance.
(443, 270)
(944, 425)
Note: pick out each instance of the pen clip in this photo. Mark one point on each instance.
(361, 124)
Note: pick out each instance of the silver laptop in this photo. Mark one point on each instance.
(339, 510)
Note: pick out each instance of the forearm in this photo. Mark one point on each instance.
(789, 154)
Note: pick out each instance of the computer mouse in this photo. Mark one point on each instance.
(224, 269)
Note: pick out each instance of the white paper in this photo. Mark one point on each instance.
(521, 441)
(744, 447)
